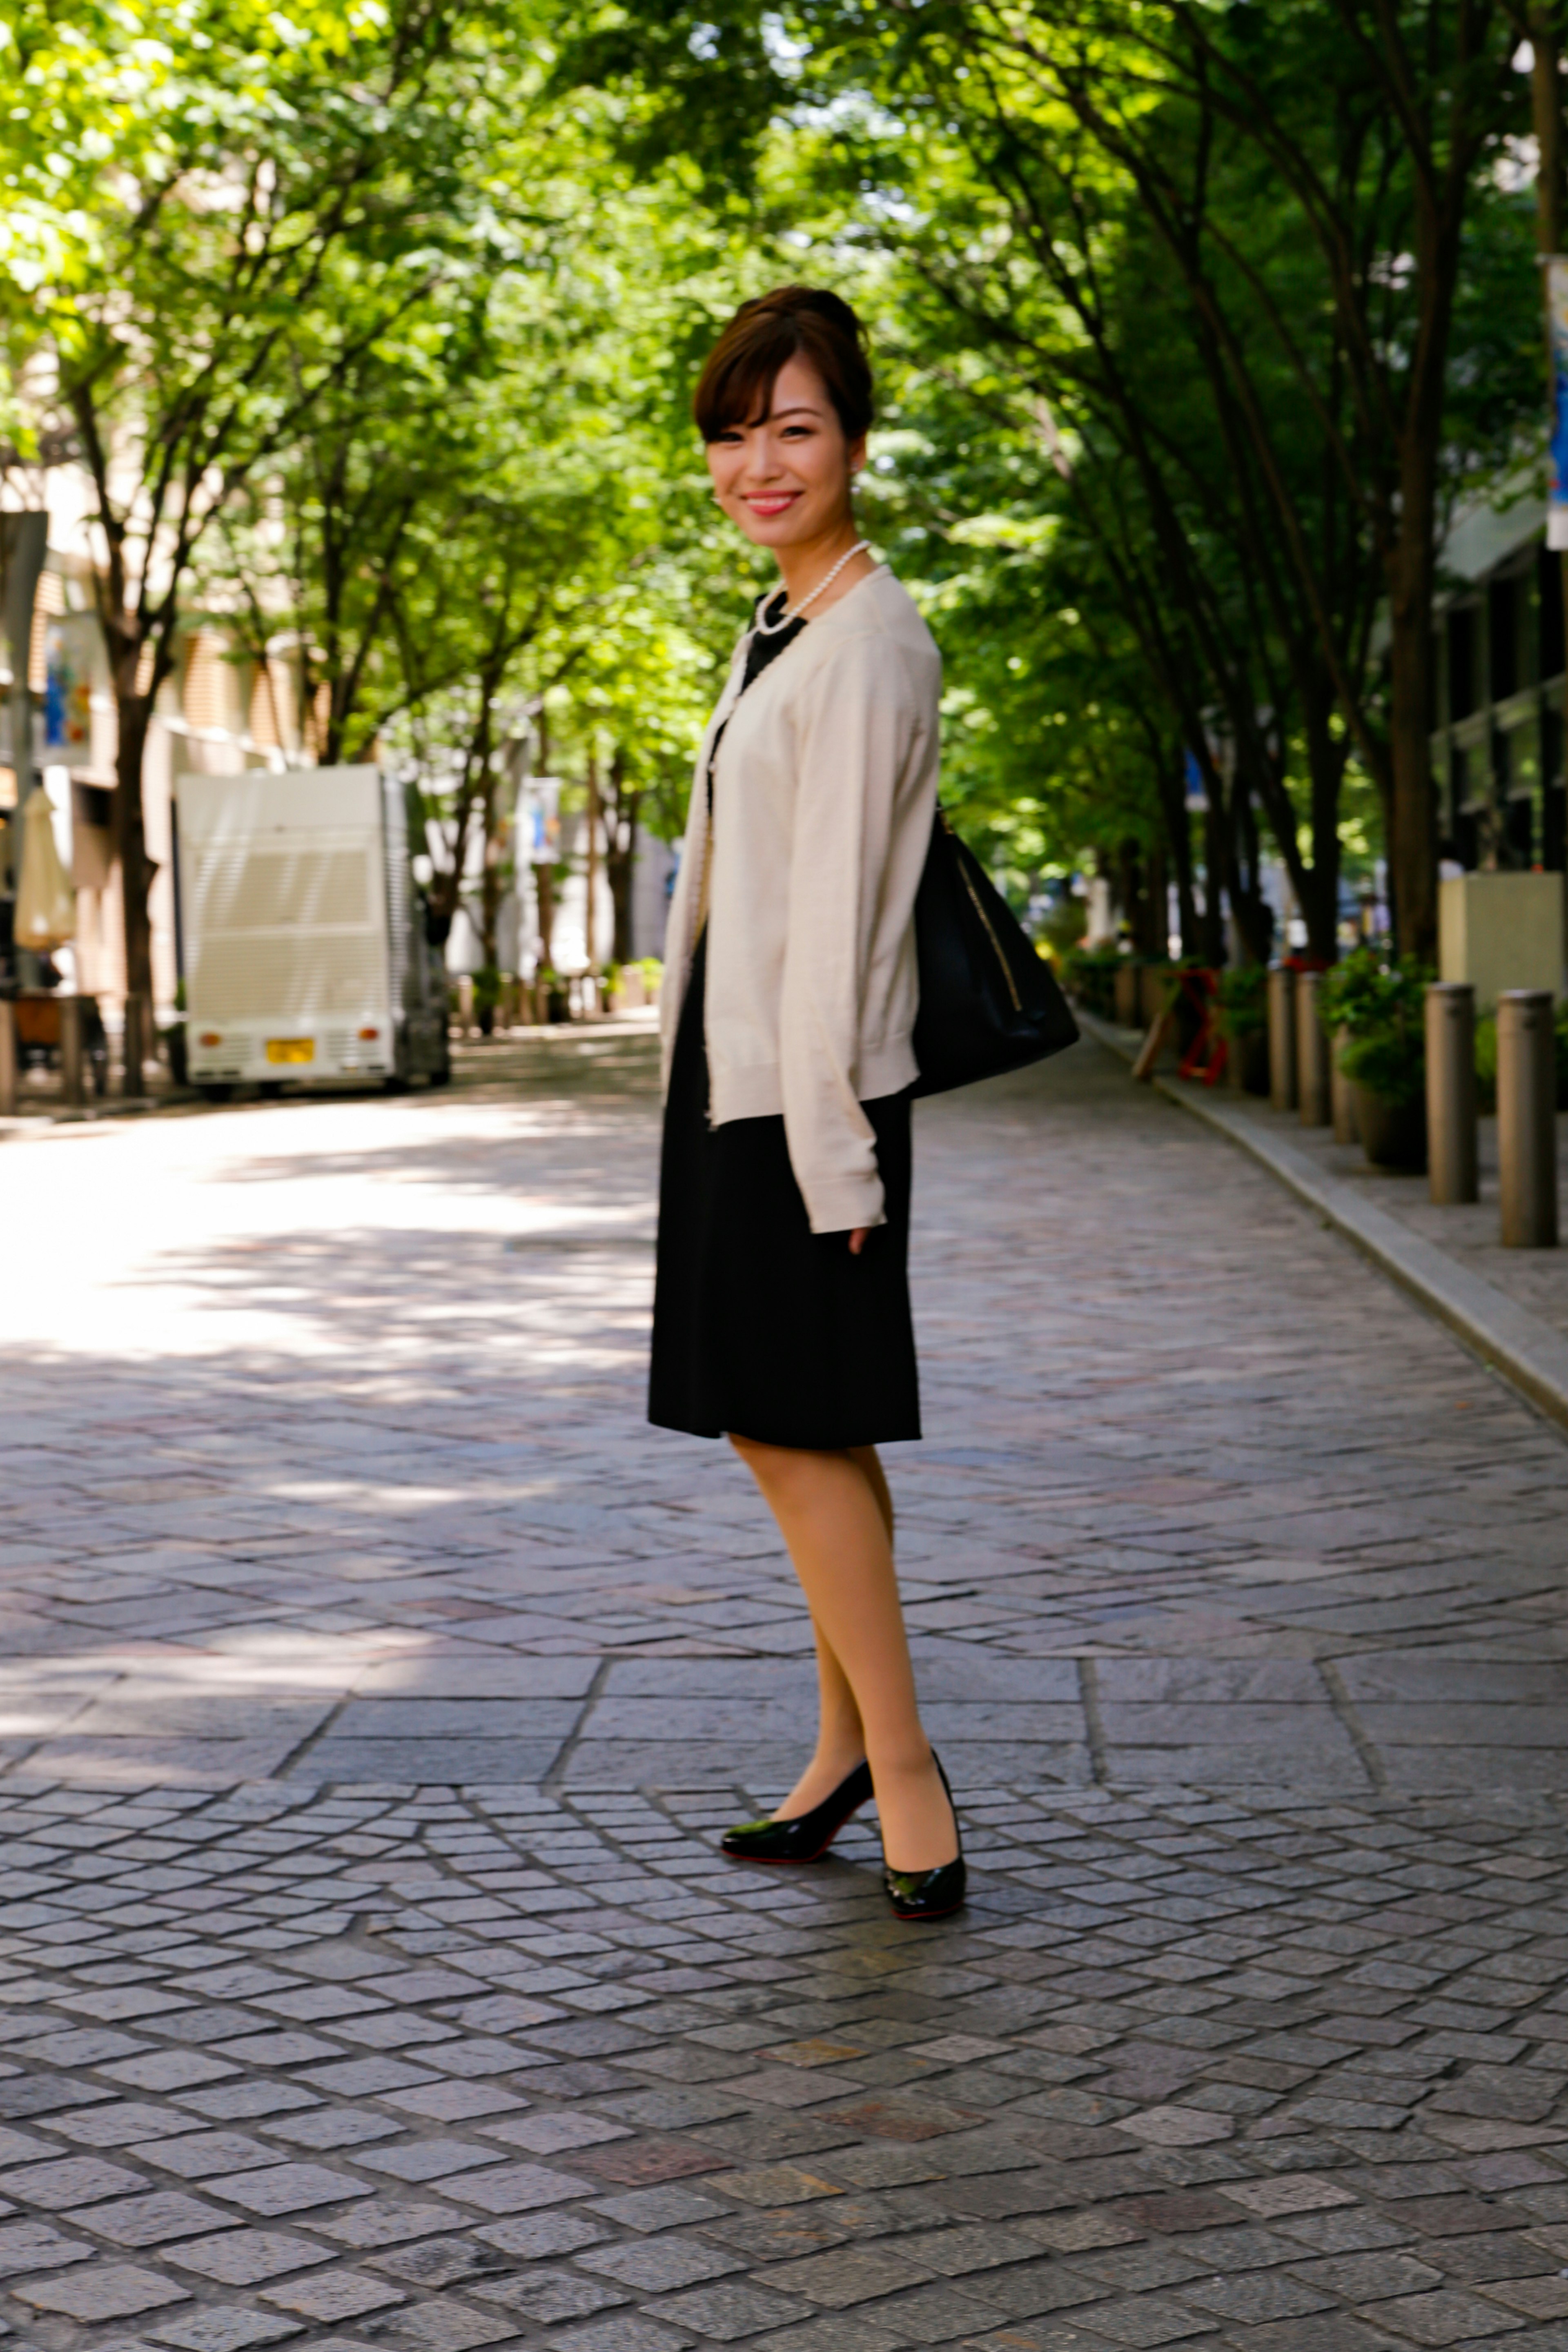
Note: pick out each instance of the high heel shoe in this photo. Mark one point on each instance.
(805, 1837)
(928, 1894)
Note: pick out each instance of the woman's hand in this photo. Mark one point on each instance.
(857, 1240)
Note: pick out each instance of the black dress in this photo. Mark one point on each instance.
(760, 1327)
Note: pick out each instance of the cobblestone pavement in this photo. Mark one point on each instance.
(372, 1684)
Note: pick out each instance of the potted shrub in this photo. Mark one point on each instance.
(552, 989)
(1372, 1004)
(1244, 1025)
(1089, 975)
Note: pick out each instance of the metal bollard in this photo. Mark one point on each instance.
(8, 1057)
(1451, 1152)
(135, 1046)
(1341, 1094)
(1527, 1118)
(71, 1058)
(1312, 1053)
(1281, 1038)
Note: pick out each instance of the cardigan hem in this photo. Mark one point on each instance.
(756, 1091)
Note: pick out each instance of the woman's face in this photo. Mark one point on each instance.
(787, 479)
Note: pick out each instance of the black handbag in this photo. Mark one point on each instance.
(988, 1002)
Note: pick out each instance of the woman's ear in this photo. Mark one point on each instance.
(858, 455)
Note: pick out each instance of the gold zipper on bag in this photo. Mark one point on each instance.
(990, 933)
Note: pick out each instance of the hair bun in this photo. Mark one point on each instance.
(809, 322)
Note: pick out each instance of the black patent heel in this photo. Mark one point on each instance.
(929, 1894)
(807, 1836)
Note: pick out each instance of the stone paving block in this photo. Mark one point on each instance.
(452, 1760)
(224, 2328)
(726, 2313)
(100, 2291)
(1149, 2320)
(847, 2276)
(154, 2219)
(72, 2181)
(658, 2266)
(549, 2295)
(382, 2223)
(246, 2257)
(442, 2327)
(1446, 2317)
(1258, 2296)
(646, 2210)
(171, 2070)
(518, 2188)
(624, 2333)
(548, 2135)
(334, 2294)
(429, 2160)
(1534, 2298)
(285, 2188)
(199, 2155)
(1286, 2193)
(33, 2246)
(845, 2332)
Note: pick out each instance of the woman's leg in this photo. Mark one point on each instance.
(830, 1510)
(840, 1734)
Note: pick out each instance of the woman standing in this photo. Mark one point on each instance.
(782, 1314)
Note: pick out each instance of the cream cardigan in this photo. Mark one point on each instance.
(824, 793)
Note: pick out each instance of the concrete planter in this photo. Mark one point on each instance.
(1392, 1134)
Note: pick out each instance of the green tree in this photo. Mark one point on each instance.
(182, 274)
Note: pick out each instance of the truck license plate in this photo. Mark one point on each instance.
(290, 1049)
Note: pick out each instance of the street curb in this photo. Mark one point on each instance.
(1526, 1350)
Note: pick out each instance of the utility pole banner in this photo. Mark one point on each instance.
(1557, 330)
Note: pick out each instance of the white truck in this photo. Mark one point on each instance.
(303, 950)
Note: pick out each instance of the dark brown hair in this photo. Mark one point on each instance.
(793, 321)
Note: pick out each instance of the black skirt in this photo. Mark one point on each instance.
(760, 1327)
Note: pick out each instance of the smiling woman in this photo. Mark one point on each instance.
(781, 1316)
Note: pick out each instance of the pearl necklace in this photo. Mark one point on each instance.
(767, 628)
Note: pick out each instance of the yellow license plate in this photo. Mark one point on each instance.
(290, 1049)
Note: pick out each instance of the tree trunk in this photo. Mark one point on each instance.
(133, 714)
(589, 909)
(1130, 891)
(1158, 904)
(1412, 849)
(1214, 877)
(620, 855)
(1171, 776)
(544, 886)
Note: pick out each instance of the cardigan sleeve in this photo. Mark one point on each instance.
(856, 732)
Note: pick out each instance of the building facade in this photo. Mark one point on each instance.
(1497, 740)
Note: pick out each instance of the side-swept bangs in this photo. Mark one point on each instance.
(794, 322)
